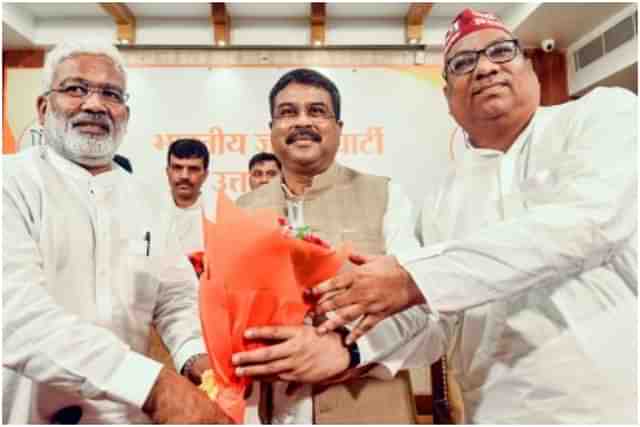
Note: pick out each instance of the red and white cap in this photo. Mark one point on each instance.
(469, 21)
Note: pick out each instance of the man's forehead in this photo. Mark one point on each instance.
(478, 40)
(298, 92)
(186, 161)
(96, 68)
(265, 164)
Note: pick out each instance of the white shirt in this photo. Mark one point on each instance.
(188, 226)
(375, 347)
(80, 292)
(537, 264)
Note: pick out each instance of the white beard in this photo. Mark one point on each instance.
(85, 150)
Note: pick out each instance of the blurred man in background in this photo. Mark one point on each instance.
(263, 167)
(187, 170)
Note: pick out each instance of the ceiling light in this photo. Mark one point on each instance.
(317, 43)
(413, 41)
(222, 43)
(124, 41)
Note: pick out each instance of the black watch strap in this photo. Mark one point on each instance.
(353, 349)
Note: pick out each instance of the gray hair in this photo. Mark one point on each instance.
(66, 50)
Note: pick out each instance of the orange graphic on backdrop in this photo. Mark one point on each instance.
(8, 141)
(220, 142)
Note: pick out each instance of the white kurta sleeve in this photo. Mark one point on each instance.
(48, 345)
(582, 219)
(176, 314)
(403, 340)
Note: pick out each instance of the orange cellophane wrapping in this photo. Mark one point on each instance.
(254, 276)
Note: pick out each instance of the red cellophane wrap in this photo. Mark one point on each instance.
(197, 261)
(254, 276)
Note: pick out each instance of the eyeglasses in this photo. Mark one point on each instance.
(465, 62)
(81, 91)
(316, 112)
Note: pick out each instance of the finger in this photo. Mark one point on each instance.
(345, 298)
(261, 355)
(360, 259)
(329, 295)
(271, 332)
(292, 387)
(341, 281)
(341, 317)
(272, 368)
(363, 326)
(267, 378)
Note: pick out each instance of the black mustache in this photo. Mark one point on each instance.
(184, 183)
(303, 133)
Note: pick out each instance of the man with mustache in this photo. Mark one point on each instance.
(85, 267)
(263, 167)
(530, 246)
(187, 169)
(339, 204)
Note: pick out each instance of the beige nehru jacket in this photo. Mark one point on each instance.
(346, 205)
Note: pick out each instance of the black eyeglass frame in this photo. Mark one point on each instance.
(280, 117)
(479, 52)
(90, 90)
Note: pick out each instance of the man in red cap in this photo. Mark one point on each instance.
(529, 262)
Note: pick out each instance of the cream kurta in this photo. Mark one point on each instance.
(538, 254)
(80, 292)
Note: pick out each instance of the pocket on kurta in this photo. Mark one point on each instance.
(142, 280)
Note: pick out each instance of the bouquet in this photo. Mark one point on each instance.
(254, 275)
(197, 261)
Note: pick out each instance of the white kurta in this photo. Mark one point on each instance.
(537, 255)
(188, 226)
(80, 292)
(378, 345)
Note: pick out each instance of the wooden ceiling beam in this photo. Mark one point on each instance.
(414, 21)
(318, 21)
(125, 21)
(221, 22)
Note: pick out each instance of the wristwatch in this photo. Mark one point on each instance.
(188, 365)
(353, 349)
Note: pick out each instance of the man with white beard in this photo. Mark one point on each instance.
(86, 270)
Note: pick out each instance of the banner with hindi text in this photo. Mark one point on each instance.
(396, 120)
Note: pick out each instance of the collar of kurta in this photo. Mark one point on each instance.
(197, 205)
(106, 179)
(319, 184)
(516, 147)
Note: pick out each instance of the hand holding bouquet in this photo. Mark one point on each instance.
(254, 275)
